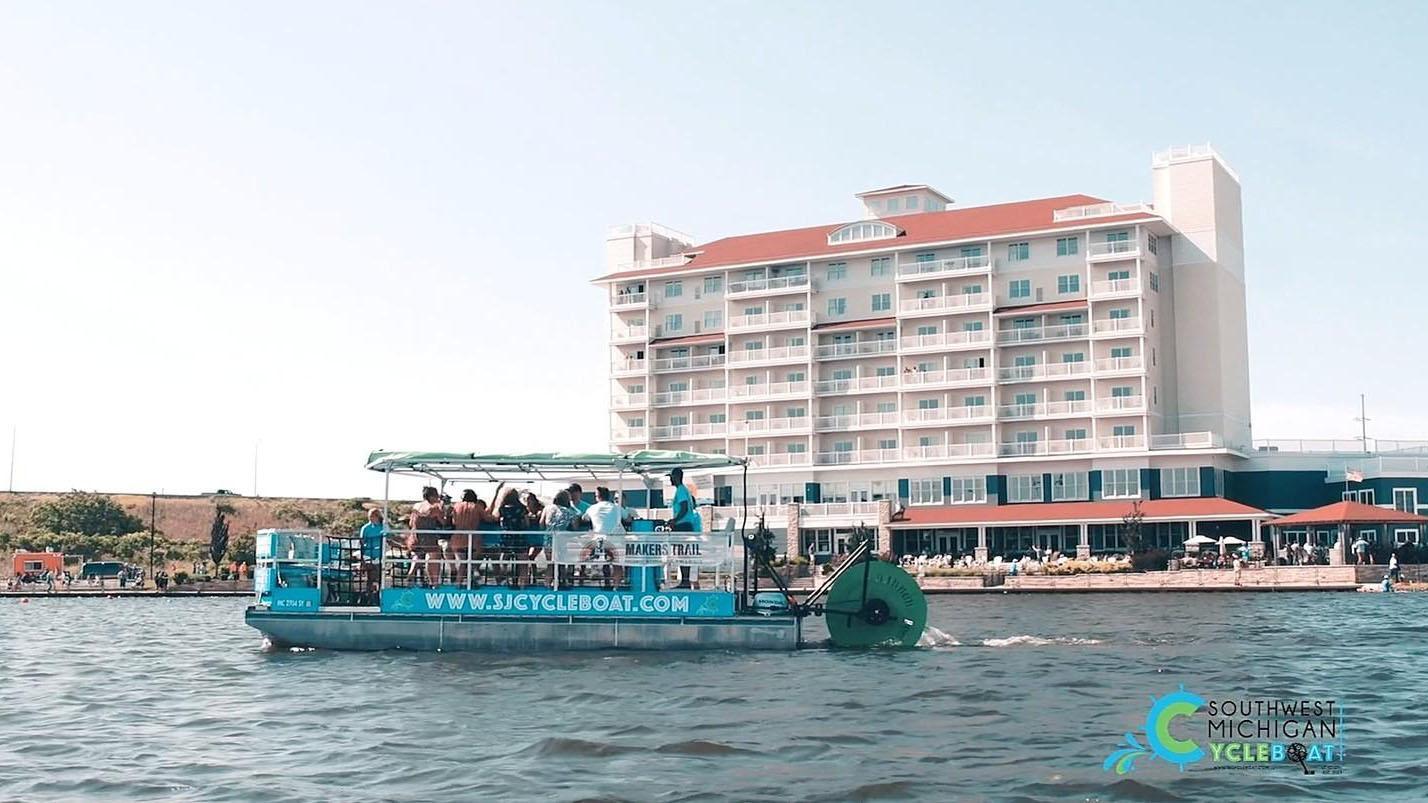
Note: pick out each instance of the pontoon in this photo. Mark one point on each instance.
(649, 588)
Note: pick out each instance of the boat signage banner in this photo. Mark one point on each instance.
(645, 549)
(547, 602)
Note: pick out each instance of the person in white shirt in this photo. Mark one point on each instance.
(606, 519)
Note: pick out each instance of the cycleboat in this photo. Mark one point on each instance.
(650, 587)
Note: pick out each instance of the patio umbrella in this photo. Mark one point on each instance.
(1199, 540)
(1230, 539)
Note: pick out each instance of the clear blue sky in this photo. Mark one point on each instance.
(334, 227)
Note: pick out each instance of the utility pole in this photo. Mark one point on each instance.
(13, 430)
(255, 467)
(1363, 420)
(153, 518)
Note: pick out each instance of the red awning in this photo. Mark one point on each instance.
(866, 323)
(1035, 309)
(1350, 513)
(1211, 507)
(708, 337)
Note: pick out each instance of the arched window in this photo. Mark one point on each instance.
(863, 230)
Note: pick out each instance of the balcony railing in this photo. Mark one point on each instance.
(1111, 365)
(788, 317)
(1099, 210)
(1120, 404)
(949, 451)
(782, 459)
(843, 458)
(629, 400)
(629, 365)
(1114, 249)
(836, 423)
(774, 515)
(768, 390)
(911, 271)
(776, 284)
(951, 302)
(839, 509)
(1192, 440)
(862, 383)
(862, 348)
(1041, 334)
(775, 355)
(1115, 287)
(791, 425)
(687, 432)
(694, 362)
(1117, 326)
(629, 333)
(977, 338)
(1048, 370)
(696, 396)
(630, 300)
(1121, 442)
(947, 415)
(1028, 448)
(948, 377)
(1045, 409)
(629, 435)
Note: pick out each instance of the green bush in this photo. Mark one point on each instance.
(84, 513)
(180, 578)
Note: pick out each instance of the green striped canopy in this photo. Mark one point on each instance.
(646, 461)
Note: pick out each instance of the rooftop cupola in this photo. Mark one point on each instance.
(903, 199)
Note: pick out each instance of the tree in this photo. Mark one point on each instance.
(1135, 542)
(218, 537)
(243, 549)
(84, 513)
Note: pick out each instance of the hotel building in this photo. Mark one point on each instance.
(976, 380)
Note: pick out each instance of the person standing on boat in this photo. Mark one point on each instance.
(686, 518)
(607, 522)
(577, 497)
(426, 519)
(466, 517)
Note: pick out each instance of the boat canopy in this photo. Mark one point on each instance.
(551, 465)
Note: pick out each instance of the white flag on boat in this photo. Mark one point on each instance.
(1353, 475)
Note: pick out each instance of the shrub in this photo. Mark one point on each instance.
(84, 513)
(180, 578)
(1155, 560)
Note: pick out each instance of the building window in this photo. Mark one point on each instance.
(1405, 500)
(1180, 481)
(718, 418)
(1123, 430)
(837, 271)
(1072, 486)
(974, 401)
(881, 266)
(911, 201)
(796, 448)
(885, 370)
(1024, 488)
(1117, 236)
(864, 230)
(1073, 356)
(1155, 281)
(673, 323)
(968, 490)
(673, 289)
(1150, 242)
(713, 285)
(1067, 246)
(924, 491)
(1075, 434)
(1068, 284)
(713, 320)
(754, 450)
(1120, 483)
(882, 302)
(795, 412)
(1017, 252)
(1020, 288)
(887, 443)
(971, 250)
(1119, 314)
(1075, 395)
(1120, 352)
(837, 307)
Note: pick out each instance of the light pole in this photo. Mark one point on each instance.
(153, 517)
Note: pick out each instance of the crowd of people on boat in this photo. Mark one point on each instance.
(511, 537)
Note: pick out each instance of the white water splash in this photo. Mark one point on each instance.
(1037, 641)
(933, 638)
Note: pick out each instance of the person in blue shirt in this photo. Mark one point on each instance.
(686, 518)
(577, 497)
(374, 537)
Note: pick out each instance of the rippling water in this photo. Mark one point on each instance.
(1019, 697)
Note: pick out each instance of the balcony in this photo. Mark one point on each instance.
(626, 401)
(937, 269)
(785, 319)
(1052, 447)
(950, 378)
(947, 416)
(1042, 334)
(794, 425)
(629, 334)
(1116, 249)
(782, 354)
(1055, 409)
(862, 384)
(774, 515)
(844, 423)
(696, 396)
(1120, 365)
(1115, 288)
(768, 390)
(630, 301)
(861, 348)
(694, 363)
(628, 366)
(781, 459)
(1114, 442)
(629, 435)
(949, 303)
(1121, 404)
(756, 287)
(1195, 440)
(947, 341)
(856, 456)
(840, 509)
(949, 451)
(1116, 327)
(1049, 371)
(687, 432)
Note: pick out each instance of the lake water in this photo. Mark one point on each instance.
(1022, 698)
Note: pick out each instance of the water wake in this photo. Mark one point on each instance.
(1037, 641)
(933, 638)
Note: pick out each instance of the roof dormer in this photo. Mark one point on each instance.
(903, 199)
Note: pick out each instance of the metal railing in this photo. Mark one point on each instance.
(687, 431)
(847, 457)
(630, 333)
(1099, 210)
(835, 423)
(944, 267)
(943, 415)
(824, 386)
(769, 390)
(1047, 447)
(1121, 442)
(629, 434)
(838, 509)
(1114, 364)
(1035, 334)
(1120, 404)
(763, 426)
(780, 354)
(949, 376)
(1045, 409)
(791, 317)
(860, 348)
(1187, 440)
(781, 459)
(773, 284)
(951, 301)
(1114, 287)
(695, 396)
(1114, 248)
(694, 362)
(629, 365)
(1113, 325)
(1048, 370)
(969, 338)
(949, 451)
(627, 300)
(629, 400)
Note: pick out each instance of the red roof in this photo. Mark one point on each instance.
(927, 227)
(1050, 306)
(707, 337)
(1072, 512)
(866, 323)
(1350, 513)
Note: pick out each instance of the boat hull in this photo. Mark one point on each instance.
(343, 630)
